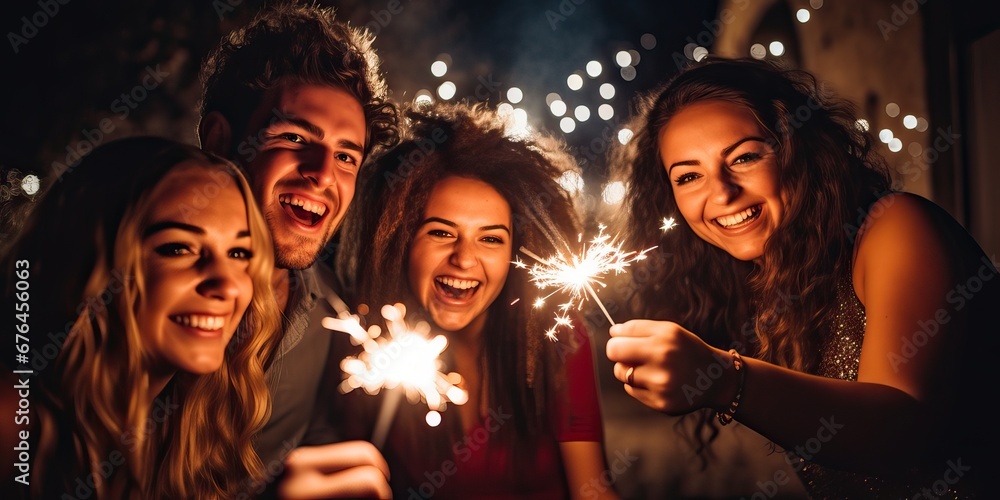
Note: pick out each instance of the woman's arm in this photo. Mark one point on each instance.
(905, 269)
(585, 470)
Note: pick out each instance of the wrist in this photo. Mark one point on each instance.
(732, 393)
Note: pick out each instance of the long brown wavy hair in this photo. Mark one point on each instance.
(83, 247)
(444, 140)
(829, 174)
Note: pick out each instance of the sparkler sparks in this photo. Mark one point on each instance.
(668, 224)
(578, 275)
(404, 362)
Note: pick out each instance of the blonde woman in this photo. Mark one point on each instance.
(149, 328)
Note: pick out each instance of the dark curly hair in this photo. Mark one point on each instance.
(446, 140)
(306, 44)
(829, 174)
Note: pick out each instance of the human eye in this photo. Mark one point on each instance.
(685, 178)
(173, 250)
(287, 137)
(439, 233)
(346, 158)
(493, 239)
(240, 254)
(747, 158)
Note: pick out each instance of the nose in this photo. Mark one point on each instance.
(463, 255)
(725, 188)
(319, 167)
(219, 279)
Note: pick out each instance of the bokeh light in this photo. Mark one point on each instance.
(892, 109)
(623, 58)
(606, 111)
(514, 95)
(777, 48)
(582, 113)
(614, 193)
(648, 41)
(571, 181)
(447, 90)
(567, 125)
(558, 108)
(439, 68)
(802, 15)
(910, 122)
(574, 82)
(594, 69)
(624, 135)
(607, 90)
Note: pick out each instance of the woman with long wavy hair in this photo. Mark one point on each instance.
(439, 221)
(847, 322)
(149, 325)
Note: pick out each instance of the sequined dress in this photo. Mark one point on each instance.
(841, 358)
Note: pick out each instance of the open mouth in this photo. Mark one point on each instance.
(200, 321)
(455, 288)
(740, 219)
(303, 210)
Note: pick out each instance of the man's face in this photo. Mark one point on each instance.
(310, 142)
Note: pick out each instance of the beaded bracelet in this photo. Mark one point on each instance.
(726, 417)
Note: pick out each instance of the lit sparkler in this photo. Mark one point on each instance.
(579, 274)
(668, 224)
(404, 362)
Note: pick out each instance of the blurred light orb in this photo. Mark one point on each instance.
(582, 113)
(552, 96)
(606, 112)
(648, 41)
(635, 56)
(514, 95)
(614, 193)
(30, 184)
(447, 90)
(423, 97)
(505, 109)
(567, 125)
(885, 135)
(439, 68)
(699, 53)
(862, 124)
(777, 48)
(519, 125)
(758, 51)
(816, 4)
(910, 122)
(892, 109)
(802, 15)
(623, 58)
(607, 90)
(594, 69)
(574, 82)
(571, 181)
(915, 149)
(628, 73)
(895, 145)
(558, 108)
(624, 135)
(689, 50)
(433, 418)
(921, 124)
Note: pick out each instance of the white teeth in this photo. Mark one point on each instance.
(199, 321)
(307, 205)
(732, 220)
(457, 283)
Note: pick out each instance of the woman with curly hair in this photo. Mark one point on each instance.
(857, 318)
(148, 268)
(439, 222)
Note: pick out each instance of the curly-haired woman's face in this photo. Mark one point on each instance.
(195, 256)
(724, 176)
(461, 253)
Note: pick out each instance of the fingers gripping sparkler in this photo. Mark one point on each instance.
(579, 274)
(404, 362)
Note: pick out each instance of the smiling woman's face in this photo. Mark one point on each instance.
(724, 176)
(461, 253)
(194, 262)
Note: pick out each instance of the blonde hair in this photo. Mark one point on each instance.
(200, 443)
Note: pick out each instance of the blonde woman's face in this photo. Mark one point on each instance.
(461, 254)
(195, 258)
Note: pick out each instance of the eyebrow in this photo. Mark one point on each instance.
(311, 127)
(452, 224)
(169, 224)
(725, 152)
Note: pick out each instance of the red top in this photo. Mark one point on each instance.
(479, 466)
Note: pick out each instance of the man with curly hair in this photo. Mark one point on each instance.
(297, 100)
